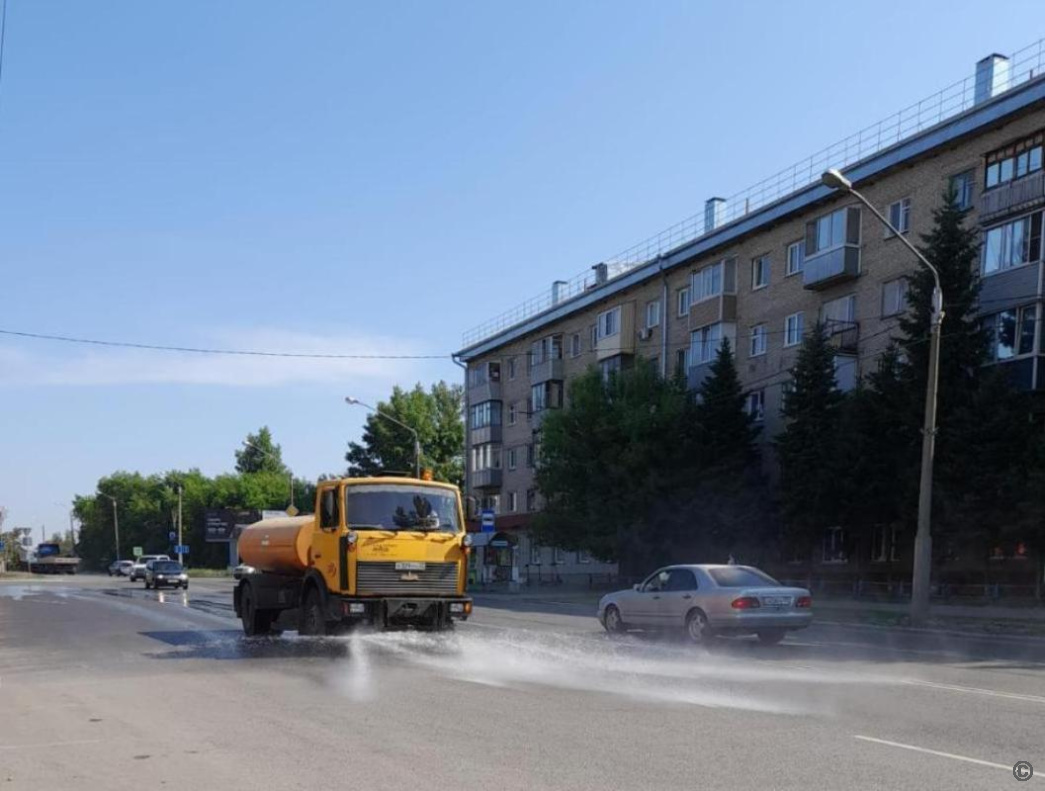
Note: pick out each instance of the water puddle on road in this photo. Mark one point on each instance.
(634, 669)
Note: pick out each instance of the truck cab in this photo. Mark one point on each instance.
(381, 551)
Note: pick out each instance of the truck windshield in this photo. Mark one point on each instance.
(400, 507)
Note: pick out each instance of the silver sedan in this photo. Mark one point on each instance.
(706, 600)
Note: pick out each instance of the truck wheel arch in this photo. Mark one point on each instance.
(314, 579)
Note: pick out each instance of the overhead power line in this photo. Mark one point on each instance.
(236, 352)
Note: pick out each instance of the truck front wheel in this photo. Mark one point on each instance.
(312, 621)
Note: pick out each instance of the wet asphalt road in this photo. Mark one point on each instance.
(104, 685)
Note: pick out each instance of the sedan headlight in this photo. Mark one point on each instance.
(159, 576)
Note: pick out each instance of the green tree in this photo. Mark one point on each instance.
(611, 460)
(809, 448)
(727, 431)
(260, 454)
(436, 416)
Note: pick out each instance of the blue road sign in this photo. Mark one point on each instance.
(487, 517)
(1, 546)
(171, 536)
(181, 549)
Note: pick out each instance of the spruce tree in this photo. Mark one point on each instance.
(727, 431)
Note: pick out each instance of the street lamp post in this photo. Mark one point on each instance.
(417, 442)
(290, 474)
(115, 523)
(920, 580)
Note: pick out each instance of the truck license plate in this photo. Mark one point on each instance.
(409, 566)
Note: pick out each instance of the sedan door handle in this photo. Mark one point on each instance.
(687, 596)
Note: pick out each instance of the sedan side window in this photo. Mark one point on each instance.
(682, 580)
(657, 582)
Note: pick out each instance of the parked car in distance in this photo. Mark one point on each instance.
(138, 569)
(120, 568)
(242, 570)
(707, 600)
(165, 573)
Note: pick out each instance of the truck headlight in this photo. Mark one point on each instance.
(467, 540)
(352, 537)
(357, 608)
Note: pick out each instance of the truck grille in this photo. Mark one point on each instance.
(438, 579)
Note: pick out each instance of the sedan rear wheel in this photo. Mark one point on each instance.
(612, 620)
(771, 636)
(697, 629)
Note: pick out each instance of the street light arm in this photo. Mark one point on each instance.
(417, 440)
(937, 308)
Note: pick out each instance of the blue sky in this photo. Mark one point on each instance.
(371, 178)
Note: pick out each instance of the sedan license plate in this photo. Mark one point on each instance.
(409, 566)
(776, 601)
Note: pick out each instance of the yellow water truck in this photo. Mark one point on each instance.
(385, 552)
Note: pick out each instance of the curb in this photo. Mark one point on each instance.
(945, 632)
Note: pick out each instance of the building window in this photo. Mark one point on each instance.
(491, 503)
(1012, 244)
(963, 185)
(834, 546)
(511, 368)
(894, 297)
(530, 456)
(838, 311)
(610, 366)
(756, 405)
(511, 459)
(483, 373)
(511, 414)
(1014, 161)
(558, 556)
(786, 389)
(535, 548)
(488, 413)
(1012, 332)
(713, 280)
(760, 272)
(899, 216)
(547, 395)
(796, 255)
(486, 457)
(512, 502)
(840, 227)
(575, 345)
(758, 341)
(608, 323)
(793, 329)
(531, 499)
(680, 361)
(652, 314)
(583, 556)
(884, 544)
(682, 301)
(705, 343)
(593, 336)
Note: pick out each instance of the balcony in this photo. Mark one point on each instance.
(489, 390)
(487, 479)
(1023, 193)
(844, 336)
(485, 434)
(711, 311)
(546, 371)
(831, 267)
(696, 374)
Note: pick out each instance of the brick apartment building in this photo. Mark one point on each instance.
(761, 269)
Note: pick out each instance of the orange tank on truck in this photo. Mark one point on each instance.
(386, 552)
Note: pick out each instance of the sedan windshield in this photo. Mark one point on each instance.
(166, 567)
(741, 577)
(401, 507)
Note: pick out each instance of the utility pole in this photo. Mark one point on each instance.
(115, 522)
(179, 523)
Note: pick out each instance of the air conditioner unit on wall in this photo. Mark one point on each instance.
(645, 334)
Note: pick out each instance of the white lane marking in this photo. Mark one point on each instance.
(939, 753)
(974, 690)
(48, 744)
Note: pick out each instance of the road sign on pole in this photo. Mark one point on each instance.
(182, 549)
(171, 536)
(487, 520)
(137, 552)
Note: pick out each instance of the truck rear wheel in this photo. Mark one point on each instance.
(312, 621)
(255, 622)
